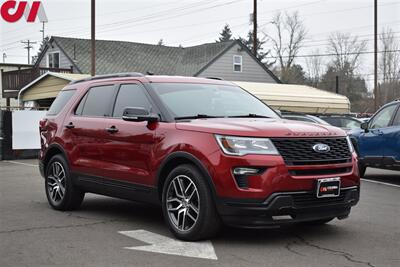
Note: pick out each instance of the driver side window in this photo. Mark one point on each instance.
(383, 118)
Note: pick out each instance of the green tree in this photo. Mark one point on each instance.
(261, 54)
(225, 34)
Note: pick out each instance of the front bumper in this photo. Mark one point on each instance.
(287, 208)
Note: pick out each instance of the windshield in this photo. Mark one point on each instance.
(188, 99)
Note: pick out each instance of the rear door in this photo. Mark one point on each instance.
(88, 130)
(391, 137)
(128, 149)
(372, 142)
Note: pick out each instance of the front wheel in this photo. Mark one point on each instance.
(188, 205)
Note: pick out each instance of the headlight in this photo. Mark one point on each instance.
(351, 147)
(240, 146)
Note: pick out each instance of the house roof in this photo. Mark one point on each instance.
(120, 56)
(298, 98)
(68, 77)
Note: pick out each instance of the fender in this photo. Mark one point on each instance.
(59, 147)
(189, 157)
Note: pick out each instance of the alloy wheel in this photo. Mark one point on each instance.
(183, 203)
(56, 182)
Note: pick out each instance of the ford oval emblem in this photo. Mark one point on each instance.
(321, 148)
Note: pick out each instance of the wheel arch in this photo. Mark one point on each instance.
(174, 160)
(54, 149)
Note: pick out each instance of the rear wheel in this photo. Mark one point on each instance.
(60, 192)
(188, 205)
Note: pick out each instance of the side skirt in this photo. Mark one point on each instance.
(115, 188)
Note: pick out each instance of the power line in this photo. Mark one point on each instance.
(333, 54)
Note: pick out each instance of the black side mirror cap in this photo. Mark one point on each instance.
(139, 114)
(364, 126)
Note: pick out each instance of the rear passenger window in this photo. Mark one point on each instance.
(130, 95)
(98, 101)
(61, 100)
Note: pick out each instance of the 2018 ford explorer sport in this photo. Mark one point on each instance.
(209, 152)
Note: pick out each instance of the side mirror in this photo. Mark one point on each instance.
(139, 114)
(364, 126)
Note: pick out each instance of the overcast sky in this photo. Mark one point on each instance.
(193, 22)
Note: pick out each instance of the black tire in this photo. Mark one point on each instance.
(318, 222)
(208, 222)
(361, 170)
(72, 197)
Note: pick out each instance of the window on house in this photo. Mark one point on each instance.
(237, 63)
(53, 60)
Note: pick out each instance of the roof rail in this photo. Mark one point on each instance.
(108, 76)
(214, 78)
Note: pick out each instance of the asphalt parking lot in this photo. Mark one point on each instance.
(32, 234)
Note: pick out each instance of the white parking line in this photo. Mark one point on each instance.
(377, 182)
(21, 163)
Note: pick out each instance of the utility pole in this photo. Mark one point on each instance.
(93, 37)
(376, 55)
(4, 57)
(42, 31)
(28, 47)
(337, 84)
(255, 28)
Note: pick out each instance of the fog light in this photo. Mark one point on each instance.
(245, 171)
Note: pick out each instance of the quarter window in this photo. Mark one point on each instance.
(98, 101)
(53, 60)
(130, 95)
(62, 99)
(382, 119)
(237, 63)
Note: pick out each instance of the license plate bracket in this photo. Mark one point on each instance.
(328, 187)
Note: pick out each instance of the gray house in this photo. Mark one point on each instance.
(228, 60)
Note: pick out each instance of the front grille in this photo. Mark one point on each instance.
(320, 171)
(310, 200)
(299, 151)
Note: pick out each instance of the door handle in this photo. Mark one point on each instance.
(112, 129)
(70, 125)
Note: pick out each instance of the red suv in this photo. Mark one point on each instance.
(205, 149)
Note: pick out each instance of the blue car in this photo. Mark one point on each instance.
(378, 141)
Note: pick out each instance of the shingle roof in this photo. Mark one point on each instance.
(118, 56)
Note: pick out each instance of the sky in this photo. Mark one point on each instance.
(193, 22)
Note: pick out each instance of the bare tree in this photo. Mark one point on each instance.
(287, 40)
(389, 66)
(314, 68)
(346, 50)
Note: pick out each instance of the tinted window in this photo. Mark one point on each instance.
(130, 95)
(397, 118)
(186, 99)
(350, 124)
(79, 109)
(98, 102)
(60, 102)
(333, 121)
(382, 119)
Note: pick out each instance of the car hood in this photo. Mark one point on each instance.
(260, 127)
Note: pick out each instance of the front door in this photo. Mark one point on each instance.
(128, 148)
(372, 141)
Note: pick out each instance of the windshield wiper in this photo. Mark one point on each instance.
(250, 115)
(198, 116)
